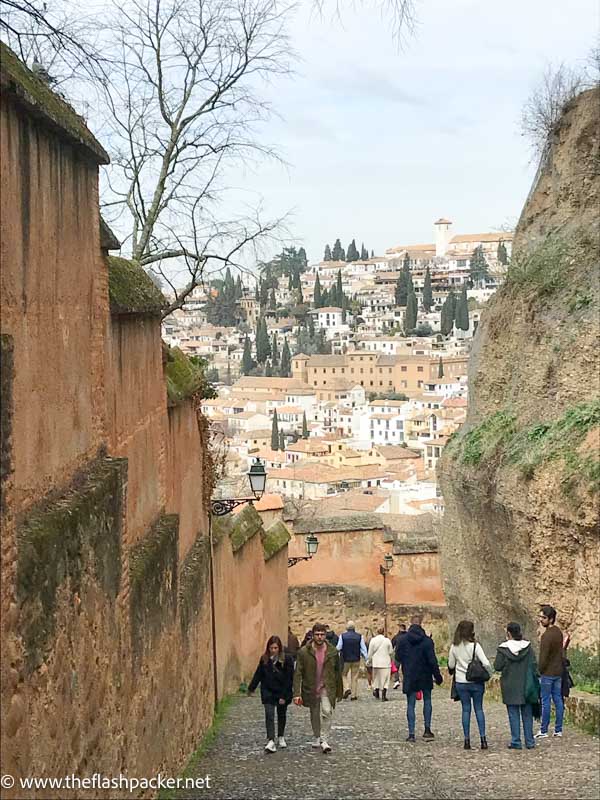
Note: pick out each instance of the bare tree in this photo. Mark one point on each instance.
(544, 107)
(184, 103)
(401, 13)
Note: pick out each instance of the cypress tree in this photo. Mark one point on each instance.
(304, 426)
(364, 253)
(281, 441)
(372, 253)
(290, 282)
(238, 287)
(427, 293)
(339, 291)
(317, 295)
(302, 259)
(440, 368)
(410, 317)
(247, 360)
(272, 300)
(502, 254)
(352, 253)
(447, 315)
(263, 345)
(256, 294)
(462, 310)
(286, 361)
(275, 432)
(274, 350)
(268, 370)
(311, 327)
(327, 255)
(478, 266)
(337, 254)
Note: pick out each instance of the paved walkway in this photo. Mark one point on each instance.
(370, 758)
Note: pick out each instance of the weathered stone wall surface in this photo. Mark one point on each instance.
(335, 605)
(520, 480)
(352, 559)
(106, 660)
(250, 596)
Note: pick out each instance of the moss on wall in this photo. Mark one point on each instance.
(64, 542)
(41, 101)
(183, 377)
(245, 525)
(6, 411)
(193, 582)
(153, 582)
(131, 290)
(274, 539)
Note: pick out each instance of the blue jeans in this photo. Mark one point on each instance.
(411, 700)
(551, 690)
(468, 692)
(515, 715)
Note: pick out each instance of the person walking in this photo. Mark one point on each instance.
(293, 644)
(395, 642)
(515, 660)
(551, 667)
(318, 684)
(465, 651)
(416, 655)
(351, 647)
(274, 673)
(379, 657)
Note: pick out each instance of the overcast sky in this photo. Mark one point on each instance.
(382, 142)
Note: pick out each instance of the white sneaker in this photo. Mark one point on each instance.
(270, 746)
(557, 734)
(540, 735)
(396, 685)
(316, 742)
(325, 747)
(281, 742)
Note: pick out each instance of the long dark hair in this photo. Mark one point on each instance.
(272, 640)
(465, 632)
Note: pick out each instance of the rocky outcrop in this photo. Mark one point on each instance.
(520, 479)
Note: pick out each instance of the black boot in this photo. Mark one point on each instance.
(428, 734)
(376, 694)
(384, 694)
(484, 744)
(467, 744)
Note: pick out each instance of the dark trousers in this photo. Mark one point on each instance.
(270, 719)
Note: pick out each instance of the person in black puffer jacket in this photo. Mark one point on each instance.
(275, 674)
(415, 652)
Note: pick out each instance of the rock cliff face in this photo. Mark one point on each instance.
(520, 479)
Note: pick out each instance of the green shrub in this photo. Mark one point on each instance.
(585, 669)
(482, 441)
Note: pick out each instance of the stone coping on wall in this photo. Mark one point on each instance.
(47, 105)
(131, 290)
(274, 539)
(414, 546)
(352, 522)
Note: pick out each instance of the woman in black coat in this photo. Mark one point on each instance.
(275, 673)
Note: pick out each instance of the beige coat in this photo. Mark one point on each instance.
(380, 652)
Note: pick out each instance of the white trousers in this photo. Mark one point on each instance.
(321, 715)
(381, 677)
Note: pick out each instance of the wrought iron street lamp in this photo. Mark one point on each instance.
(257, 477)
(388, 563)
(312, 545)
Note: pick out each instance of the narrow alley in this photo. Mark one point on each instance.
(370, 758)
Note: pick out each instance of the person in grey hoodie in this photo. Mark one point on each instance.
(513, 660)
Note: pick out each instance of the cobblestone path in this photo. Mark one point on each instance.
(370, 758)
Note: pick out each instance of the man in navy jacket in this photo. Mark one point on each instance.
(352, 647)
(415, 652)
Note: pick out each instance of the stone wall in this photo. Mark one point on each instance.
(335, 605)
(352, 558)
(105, 591)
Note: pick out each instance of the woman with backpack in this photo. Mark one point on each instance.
(471, 669)
(519, 683)
(275, 673)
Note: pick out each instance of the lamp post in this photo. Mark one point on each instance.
(312, 545)
(388, 563)
(257, 476)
